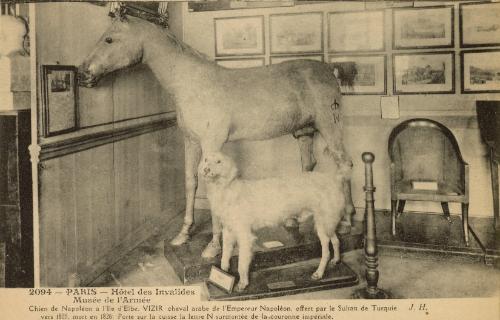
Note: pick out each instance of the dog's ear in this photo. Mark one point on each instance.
(233, 173)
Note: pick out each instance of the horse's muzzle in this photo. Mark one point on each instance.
(86, 79)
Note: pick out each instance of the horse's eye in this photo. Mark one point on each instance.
(108, 40)
(218, 161)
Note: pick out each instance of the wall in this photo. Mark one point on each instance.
(365, 130)
(118, 179)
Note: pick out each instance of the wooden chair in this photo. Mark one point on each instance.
(426, 165)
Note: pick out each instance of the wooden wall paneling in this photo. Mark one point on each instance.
(136, 93)
(150, 178)
(172, 171)
(94, 195)
(58, 251)
(127, 187)
(68, 45)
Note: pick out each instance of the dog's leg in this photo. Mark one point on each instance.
(336, 248)
(192, 152)
(245, 241)
(228, 240)
(213, 142)
(325, 254)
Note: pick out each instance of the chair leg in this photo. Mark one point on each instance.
(465, 222)
(446, 211)
(393, 216)
(401, 207)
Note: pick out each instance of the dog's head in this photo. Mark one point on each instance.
(216, 167)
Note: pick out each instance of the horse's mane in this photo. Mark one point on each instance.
(183, 47)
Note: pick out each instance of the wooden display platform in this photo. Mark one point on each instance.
(287, 280)
(298, 245)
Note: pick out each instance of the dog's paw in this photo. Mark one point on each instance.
(212, 250)
(241, 286)
(316, 276)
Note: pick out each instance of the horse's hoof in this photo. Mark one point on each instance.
(180, 239)
(343, 229)
(291, 223)
(316, 276)
(241, 286)
(212, 249)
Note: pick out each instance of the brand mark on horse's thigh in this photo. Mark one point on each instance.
(335, 106)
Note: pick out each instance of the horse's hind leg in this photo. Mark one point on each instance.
(304, 138)
(330, 127)
(192, 151)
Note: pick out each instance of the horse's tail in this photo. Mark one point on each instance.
(345, 72)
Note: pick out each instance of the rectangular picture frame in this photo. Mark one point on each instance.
(423, 27)
(424, 72)
(296, 32)
(59, 99)
(356, 31)
(368, 74)
(241, 63)
(279, 59)
(236, 36)
(479, 24)
(480, 71)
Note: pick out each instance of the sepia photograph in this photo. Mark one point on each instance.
(249, 160)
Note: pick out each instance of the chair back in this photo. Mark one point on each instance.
(425, 150)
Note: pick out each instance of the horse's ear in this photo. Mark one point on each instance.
(119, 13)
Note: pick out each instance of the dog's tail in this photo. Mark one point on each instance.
(343, 162)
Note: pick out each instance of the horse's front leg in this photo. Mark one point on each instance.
(213, 142)
(192, 150)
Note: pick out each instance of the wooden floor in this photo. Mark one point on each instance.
(433, 234)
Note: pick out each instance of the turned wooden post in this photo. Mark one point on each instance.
(371, 258)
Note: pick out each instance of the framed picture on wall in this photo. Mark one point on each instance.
(296, 32)
(427, 72)
(430, 27)
(480, 71)
(479, 24)
(59, 103)
(279, 59)
(239, 36)
(356, 31)
(241, 63)
(360, 74)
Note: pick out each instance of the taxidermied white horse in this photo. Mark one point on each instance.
(215, 105)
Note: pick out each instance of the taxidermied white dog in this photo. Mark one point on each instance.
(247, 205)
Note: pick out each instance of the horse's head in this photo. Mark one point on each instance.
(119, 47)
